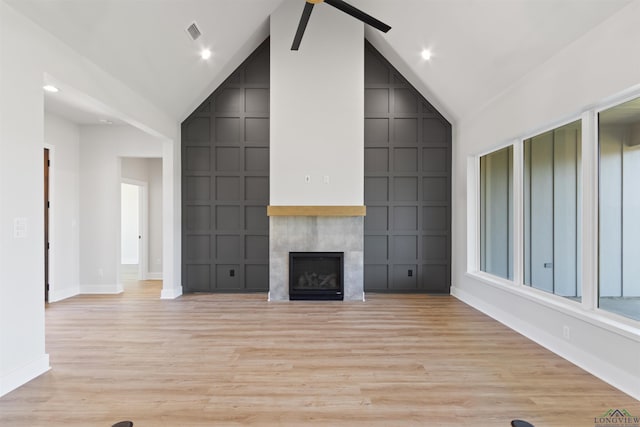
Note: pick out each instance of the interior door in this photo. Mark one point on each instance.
(47, 164)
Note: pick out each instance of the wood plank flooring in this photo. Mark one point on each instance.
(218, 360)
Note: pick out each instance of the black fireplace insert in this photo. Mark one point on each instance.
(316, 276)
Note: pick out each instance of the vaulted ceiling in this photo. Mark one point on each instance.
(480, 47)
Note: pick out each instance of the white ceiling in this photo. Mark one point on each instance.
(78, 107)
(480, 47)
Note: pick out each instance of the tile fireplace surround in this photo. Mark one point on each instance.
(316, 229)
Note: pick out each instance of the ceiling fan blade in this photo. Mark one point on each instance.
(304, 19)
(358, 14)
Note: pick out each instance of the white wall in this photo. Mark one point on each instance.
(594, 68)
(171, 220)
(63, 139)
(27, 53)
(155, 219)
(317, 108)
(22, 352)
(101, 149)
(135, 168)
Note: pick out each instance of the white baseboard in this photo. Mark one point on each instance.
(60, 294)
(171, 293)
(12, 380)
(115, 288)
(595, 364)
(153, 276)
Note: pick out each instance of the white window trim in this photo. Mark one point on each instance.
(473, 214)
(586, 310)
(589, 211)
(518, 213)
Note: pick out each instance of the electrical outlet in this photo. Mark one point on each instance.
(325, 179)
(232, 273)
(566, 332)
(410, 273)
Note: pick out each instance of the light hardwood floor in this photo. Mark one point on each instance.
(210, 360)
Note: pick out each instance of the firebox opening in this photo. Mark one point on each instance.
(316, 276)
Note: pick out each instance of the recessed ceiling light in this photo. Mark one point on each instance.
(205, 54)
(50, 88)
(426, 54)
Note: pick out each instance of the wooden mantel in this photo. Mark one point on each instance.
(316, 210)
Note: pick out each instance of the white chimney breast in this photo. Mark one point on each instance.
(316, 141)
(317, 108)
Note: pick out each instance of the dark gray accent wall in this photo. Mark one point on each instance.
(407, 163)
(225, 184)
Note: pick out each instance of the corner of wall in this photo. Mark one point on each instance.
(59, 295)
(171, 293)
(23, 374)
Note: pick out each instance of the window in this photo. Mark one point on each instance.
(496, 213)
(529, 217)
(619, 209)
(551, 194)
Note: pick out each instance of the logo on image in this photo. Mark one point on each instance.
(617, 417)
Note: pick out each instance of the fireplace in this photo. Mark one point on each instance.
(304, 232)
(316, 276)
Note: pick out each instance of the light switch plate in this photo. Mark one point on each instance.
(20, 228)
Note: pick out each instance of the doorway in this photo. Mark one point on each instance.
(132, 217)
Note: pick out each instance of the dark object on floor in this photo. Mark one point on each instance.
(123, 424)
(520, 423)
